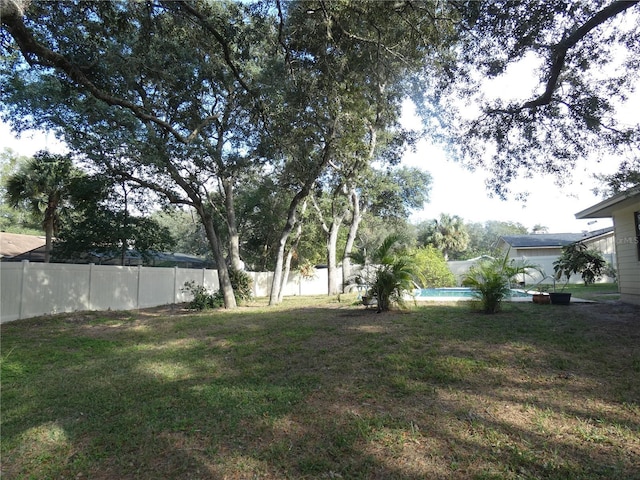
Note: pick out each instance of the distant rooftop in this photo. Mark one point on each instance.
(13, 245)
(540, 240)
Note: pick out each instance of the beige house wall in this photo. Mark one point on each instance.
(628, 263)
(534, 252)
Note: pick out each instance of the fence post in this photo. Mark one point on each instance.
(175, 284)
(89, 305)
(25, 265)
(138, 292)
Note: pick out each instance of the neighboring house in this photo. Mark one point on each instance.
(624, 208)
(550, 244)
(15, 247)
(543, 249)
(153, 259)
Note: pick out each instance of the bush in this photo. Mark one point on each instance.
(242, 285)
(203, 299)
(577, 258)
(433, 268)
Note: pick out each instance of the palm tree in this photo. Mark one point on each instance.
(449, 234)
(390, 272)
(42, 184)
(490, 280)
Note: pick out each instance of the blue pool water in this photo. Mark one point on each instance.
(462, 292)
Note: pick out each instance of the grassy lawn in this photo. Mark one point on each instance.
(596, 292)
(320, 389)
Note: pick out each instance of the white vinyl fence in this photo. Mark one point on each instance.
(33, 289)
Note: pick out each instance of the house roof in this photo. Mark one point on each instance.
(552, 240)
(15, 244)
(606, 207)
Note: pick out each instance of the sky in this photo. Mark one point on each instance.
(458, 191)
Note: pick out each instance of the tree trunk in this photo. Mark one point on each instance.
(285, 274)
(276, 285)
(294, 246)
(331, 232)
(234, 238)
(291, 217)
(332, 264)
(223, 272)
(351, 237)
(48, 235)
(125, 226)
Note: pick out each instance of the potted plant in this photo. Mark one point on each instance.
(576, 258)
(541, 296)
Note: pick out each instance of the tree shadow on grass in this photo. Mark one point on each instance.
(315, 393)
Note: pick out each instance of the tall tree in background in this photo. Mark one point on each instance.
(106, 222)
(44, 184)
(16, 219)
(347, 65)
(390, 195)
(448, 234)
(483, 237)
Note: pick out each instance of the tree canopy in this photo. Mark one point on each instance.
(584, 57)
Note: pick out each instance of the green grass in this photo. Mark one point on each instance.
(320, 389)
(596, 292)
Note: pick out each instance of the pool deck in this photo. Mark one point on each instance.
(510, 299)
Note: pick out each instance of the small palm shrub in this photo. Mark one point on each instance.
(389, 271)
(489, 284)
(490, 281)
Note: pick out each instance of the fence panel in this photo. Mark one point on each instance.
(54, 288)
(157, 286)
(33, 289)
(10, 290)
(113, 287)
(184, 275)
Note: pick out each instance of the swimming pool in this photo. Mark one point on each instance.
(461, 292)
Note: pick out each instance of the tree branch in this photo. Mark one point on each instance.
(560, 50)
(226, 51)
(36, 53)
